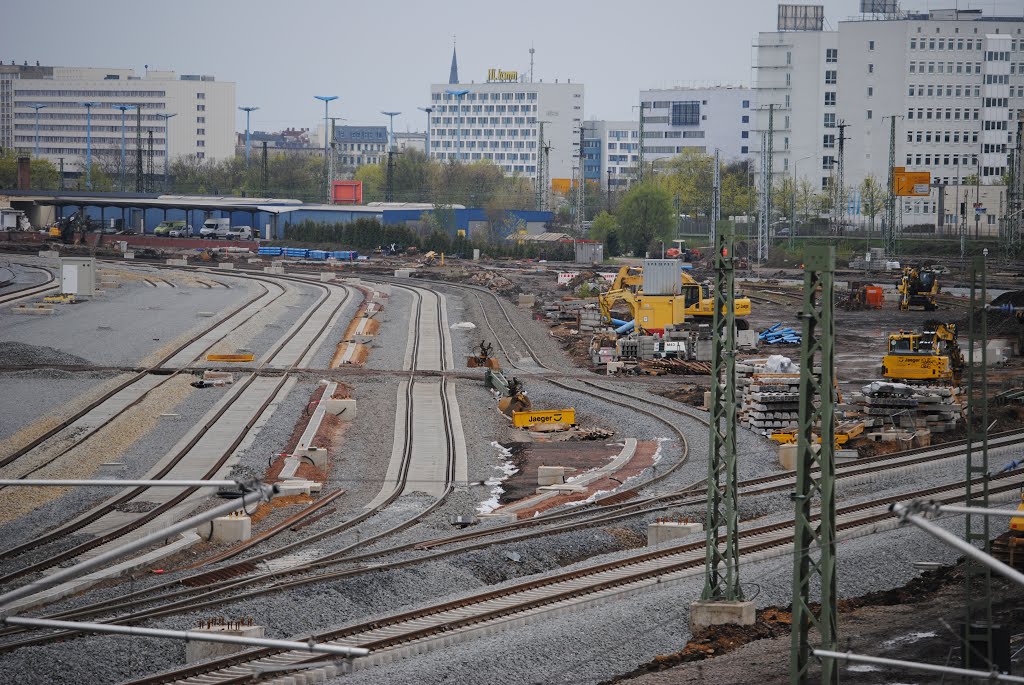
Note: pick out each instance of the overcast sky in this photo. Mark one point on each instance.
(384, 54)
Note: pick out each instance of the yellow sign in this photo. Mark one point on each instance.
(561, 185)
(502, 75)
(911, 183)
(524, 419)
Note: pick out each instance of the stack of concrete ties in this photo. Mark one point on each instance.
(912, 407)
(589, 319)
(769, 402)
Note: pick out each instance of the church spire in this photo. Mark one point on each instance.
(453, 76)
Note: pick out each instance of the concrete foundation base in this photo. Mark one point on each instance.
(787, 457)
(551, 475)
(39, 309)
(705, 613)
(177, 262)
(317, 456)
(226, 265)
(254, 260)
(664, 531)
(563, 489)
(129, 255)
(326, 276)
(403, 273)
(201, 651)
(231, 528)
(287, 488)
(345, 409)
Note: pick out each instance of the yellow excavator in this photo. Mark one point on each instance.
(651, 313)
(918, 288)
(932, 355)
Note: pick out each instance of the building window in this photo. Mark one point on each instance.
(200, 120)
(828, 141)
(745, 119)
(827, 161)
(200, 143)
(685, 113)
(744, 149)
(746, 104)
(869, 114)
(200, 108)
(830, 98)
(830, 77)
(200, 155)
(871, 68)
(871, 91)
(830, 120)
(871, 45)
(745, 134)
(831, 55)
(200, 131)
(200, 96)
(789, 58)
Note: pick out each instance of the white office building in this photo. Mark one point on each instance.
(501, 121)
(203, 123)
(612, 152)
(703, 119)
(952, 79)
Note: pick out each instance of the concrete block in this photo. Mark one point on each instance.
(613, 367)
(787, 456)
(344, 408)
(847, 455)
(225, 265)
(663, 531)
(705, 613)
(294, 487)
(551, 475)
(316, 455)
(231, 528)
(49, 254)
(563, 489)
(201, 651)
(129, 255)
(707, 399)
(403, 273)
(526, 300)
(326, 276)
(254, 260)
(177, 262)
(499, 517)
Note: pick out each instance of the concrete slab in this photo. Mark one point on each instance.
(706, 613)
(664, 531)
(201, 651)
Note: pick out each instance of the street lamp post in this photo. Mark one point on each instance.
(248, 111)
(391, 141)
(167, 144)
(327, 103)
(124, 109)
(459, 94)
(88, 142)
(792, 206)
(37, 107)
(428, 110)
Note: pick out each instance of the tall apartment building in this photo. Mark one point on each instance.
(953, 80)
(203, 124)
(612, 152)
(700, 118)
(500, 121)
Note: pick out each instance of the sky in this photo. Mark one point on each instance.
(384, 54)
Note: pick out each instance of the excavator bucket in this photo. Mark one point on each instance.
(518, 402)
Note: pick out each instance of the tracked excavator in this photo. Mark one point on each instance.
(918, 288)
(932, 355)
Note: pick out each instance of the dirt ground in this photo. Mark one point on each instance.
(915, 623)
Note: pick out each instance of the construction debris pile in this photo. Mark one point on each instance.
(493, 281)
(908, 407)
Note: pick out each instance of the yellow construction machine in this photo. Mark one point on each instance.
(652, 313)
(512, 394)
(932, 355)
(918, 288)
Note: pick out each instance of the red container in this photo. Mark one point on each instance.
(347, 192)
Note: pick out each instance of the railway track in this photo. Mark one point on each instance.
(28, 291)
(213, 590)
(290, 351)
(436, 626)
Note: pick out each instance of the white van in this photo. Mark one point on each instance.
(215, 228)
(239, 233)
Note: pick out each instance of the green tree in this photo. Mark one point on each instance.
(44, 176)
(872, 199)
(605, 229)
(373, 179)
(690, 175)
(644, 215)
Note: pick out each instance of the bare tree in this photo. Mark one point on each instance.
(872, 199)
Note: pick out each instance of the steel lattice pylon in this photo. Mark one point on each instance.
(716, 198)
(817, 348)
(889, 233)
(977, 577)
(723, 583)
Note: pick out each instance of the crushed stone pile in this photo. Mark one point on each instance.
(20, 354)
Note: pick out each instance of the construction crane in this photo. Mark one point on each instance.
(918, 288)
(932, 355)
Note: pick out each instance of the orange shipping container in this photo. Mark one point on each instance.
(347, 192)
